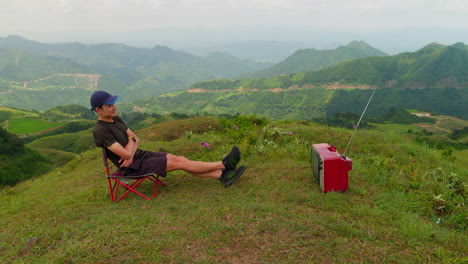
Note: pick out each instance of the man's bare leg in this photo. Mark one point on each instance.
(204, 169)
(212, 174)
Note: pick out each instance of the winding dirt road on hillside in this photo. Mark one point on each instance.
(93, 78)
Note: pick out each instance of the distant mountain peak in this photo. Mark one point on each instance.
(17, 39)
(459, 45)
(358, 44)
(364, 47)
(13, 37)
(309, 59)
(431, 47)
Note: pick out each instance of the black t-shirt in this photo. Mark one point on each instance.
(107, 133)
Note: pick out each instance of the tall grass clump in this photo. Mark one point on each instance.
(433, 186)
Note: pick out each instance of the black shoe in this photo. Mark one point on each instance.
(232, 159)
(230, 176)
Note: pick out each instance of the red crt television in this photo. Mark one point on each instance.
(330, 168)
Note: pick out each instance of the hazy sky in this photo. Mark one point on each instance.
(175, 21)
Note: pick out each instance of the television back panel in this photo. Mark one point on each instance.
(330, 168)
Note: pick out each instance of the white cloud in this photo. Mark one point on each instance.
(50, 18)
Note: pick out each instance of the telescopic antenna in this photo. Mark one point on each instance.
(329, 131)
(324, 116)
(359, 122)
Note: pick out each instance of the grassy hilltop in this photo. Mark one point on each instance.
(406, 203)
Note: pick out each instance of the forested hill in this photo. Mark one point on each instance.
(18, 65)
(311, 59)
(434, 66)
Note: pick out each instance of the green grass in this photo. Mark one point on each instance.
(70, 142)
(443, 125)
(275, 213)
(395, 128)
(17, 113)
(29, 125)
(452, 123)
(59, 157)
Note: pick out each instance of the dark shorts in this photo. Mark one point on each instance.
(148, 162)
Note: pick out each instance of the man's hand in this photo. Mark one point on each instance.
(126, 162)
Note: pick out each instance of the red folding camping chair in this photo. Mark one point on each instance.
(116, 179)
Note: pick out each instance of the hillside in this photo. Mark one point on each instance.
(404, 204)
(434, 66)
(42, 140)
(304, 60)
(19, 66)
(304, 104)
(7, 113)
(18, 162)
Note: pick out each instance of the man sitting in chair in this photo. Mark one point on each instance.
(121, 145)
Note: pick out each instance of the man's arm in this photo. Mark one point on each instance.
(133, 136)
(126, 153)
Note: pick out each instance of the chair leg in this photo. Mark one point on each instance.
(155, 190)
(114, 184)
(157, 182)
(131, 188)
(112, 187)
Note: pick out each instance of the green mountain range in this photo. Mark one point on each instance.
(305, 60)
(434, 66)
(138, 74)
(130, 71)
(434, 78)
(172, 69)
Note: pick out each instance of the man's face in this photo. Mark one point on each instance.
(107, 111)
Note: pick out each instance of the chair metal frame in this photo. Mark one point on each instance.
(115, 181)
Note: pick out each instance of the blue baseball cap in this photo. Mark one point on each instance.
(101, 98)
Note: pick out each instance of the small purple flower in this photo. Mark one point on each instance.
(354, 126)
(235, 127)
(288, 132)
(206, 145)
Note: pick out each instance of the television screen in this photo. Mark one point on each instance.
(317, 163)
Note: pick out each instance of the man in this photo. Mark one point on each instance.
(121, 145)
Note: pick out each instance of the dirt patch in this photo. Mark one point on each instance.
(138, 109)
(290, 88)
(198, 90)
(337, 85)
(5, 92)
(435, 128)
(415, 85)
(48, 130)
(276, 90)
(451, 81)
(391, 83)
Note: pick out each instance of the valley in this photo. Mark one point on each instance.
(160, 82)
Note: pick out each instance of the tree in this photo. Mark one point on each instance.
(10, 144)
